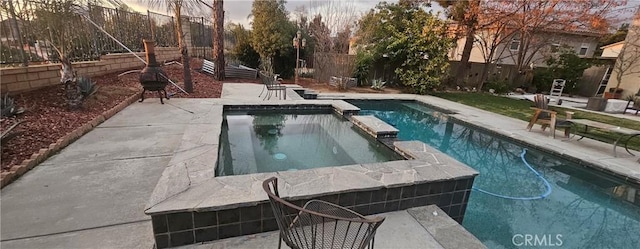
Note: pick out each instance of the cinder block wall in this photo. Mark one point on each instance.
(22, 79)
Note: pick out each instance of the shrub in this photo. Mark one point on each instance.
(568, 66)
(378, 84)
(542, 79)
(364, 62)
(498, 86)
(86, 87)
(8, 106)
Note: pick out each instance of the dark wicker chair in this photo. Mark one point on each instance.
(272, 84)
(320, 224)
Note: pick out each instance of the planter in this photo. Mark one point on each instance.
(612, 95)
(596, 104)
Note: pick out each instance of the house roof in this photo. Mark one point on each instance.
(564, 29)
(612, 45)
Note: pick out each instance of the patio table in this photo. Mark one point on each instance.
(623, 132)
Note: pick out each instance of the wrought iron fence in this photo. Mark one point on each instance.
(31, 31)
(201, 30)
(163, 29)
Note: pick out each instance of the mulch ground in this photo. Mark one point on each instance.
(47, 119)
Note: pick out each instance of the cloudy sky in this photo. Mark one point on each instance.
(238, 11)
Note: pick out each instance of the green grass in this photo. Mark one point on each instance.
(521, 109)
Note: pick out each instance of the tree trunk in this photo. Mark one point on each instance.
(470, 25)
(218, 39)
(464, 66)
(618, 80)
(68, 78)
(184, 51)
(483, 75)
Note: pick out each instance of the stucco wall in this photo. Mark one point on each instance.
(505, 56)
(21, 79)
(613, 50)
(630, 82)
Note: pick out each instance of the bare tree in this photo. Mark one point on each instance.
(536, 20)
(628, 61)
(488, 41)
(331, 29)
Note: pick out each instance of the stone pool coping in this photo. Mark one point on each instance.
(587, 155)
(189, 183)
(374, 126)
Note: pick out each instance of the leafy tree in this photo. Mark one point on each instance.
(568, 66)
(272, 30)
(612, 38)
(413, 40)
(617, 36)
(243, 51)
(364, 62)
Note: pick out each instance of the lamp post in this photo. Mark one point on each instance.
(297, 43)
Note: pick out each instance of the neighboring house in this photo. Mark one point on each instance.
(548, 42)
(612, 50)
(630, 82)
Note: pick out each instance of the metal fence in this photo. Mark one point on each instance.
(201, 31)
(30, 31)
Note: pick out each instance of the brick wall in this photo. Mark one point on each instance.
(21, 79)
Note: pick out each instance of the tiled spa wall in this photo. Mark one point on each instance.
(184, 228)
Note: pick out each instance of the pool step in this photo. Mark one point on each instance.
(375, 127)
(306, 93)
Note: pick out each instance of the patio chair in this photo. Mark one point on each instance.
(548, 118)
(272, 84)
(633, 104)
(319, 224)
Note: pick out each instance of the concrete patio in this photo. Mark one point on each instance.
(93, 193)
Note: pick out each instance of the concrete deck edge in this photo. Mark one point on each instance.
(447, 232)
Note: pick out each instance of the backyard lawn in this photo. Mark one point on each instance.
(521, 109)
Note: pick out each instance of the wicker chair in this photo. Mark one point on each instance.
(320, 224)
(272, 84)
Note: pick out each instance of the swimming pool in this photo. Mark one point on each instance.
(585, 209)
(256, 142)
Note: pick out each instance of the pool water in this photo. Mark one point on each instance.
(267, 142)
(584, 210)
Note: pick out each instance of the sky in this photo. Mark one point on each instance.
(238, 11)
